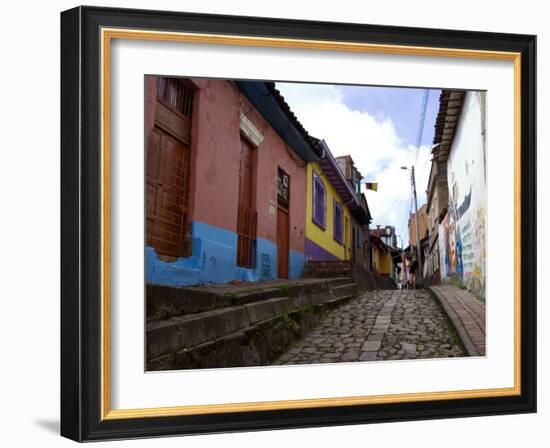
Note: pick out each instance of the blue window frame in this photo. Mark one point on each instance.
(319, 202)
(338, 214)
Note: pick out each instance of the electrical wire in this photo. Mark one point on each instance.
(420, 131)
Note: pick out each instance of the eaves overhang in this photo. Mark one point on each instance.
(271, 105)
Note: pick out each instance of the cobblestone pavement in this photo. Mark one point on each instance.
(379, 325)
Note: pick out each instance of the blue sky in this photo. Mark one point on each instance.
(401, 105)
(378, 127)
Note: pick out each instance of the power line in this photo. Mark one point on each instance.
(419, 135)
(420, 131)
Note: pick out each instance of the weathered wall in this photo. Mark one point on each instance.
(215, 152)
(320, 243)
(462, 234)
(214, 189)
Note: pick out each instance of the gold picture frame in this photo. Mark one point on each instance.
(103, 27)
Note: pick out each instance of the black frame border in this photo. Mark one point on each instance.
(81, 223)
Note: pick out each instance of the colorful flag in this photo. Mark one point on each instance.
(371, 186)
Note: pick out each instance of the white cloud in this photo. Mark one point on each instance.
(373, 143)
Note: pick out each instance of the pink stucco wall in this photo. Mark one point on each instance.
(215, 151)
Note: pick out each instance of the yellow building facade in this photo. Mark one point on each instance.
(327, 219)
(382, 261)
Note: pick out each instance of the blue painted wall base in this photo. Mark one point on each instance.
(214, 260)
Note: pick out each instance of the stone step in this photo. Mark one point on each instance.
(345, 290)
(177, 333)
(227, 313)
(164, 302)
(327, 273)
(337, 281)
(255, 345)
(324, 269)
(182, 332)
(168, 301)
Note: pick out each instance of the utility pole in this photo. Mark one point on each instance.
(418, 282)
(418, 250)
(403, 270)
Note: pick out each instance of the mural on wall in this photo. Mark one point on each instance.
(462, 243)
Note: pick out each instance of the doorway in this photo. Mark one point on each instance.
(283, 222)
(167, 170)
(246, 214)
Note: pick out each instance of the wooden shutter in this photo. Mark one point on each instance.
(319, 201)
(337, 234)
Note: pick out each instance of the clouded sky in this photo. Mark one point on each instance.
(378, 127)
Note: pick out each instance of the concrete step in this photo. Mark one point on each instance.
(168, 301)
(346, 289)
(176, 333)
(325, 269)
(182, 332)
(164, 302)
(227, 315)
(255, 345)
(337, 281)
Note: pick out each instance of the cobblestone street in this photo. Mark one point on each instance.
(379, 325)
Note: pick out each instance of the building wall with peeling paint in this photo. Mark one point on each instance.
(462, 233)
(214, 189)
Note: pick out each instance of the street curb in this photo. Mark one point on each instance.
(463, 334)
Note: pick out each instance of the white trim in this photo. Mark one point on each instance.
(251, 132)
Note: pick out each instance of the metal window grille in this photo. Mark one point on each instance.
(176, 94)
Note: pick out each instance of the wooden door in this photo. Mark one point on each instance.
(282, 242)
(166, 173)
(245, 175)
(167, 170)
(246, 215)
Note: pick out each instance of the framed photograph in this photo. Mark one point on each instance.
(272, 223)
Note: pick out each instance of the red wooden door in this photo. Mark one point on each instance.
(167, 170)
(245, 175)
(167, 173)
(282, 242)
(246, 215)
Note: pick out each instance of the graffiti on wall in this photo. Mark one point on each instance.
(462, 248)
(462, 241)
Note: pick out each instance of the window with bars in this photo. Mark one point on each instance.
(283, 184)
(319, 201)
(338, 233)
(176, 95)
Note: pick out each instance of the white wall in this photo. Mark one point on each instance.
(30, 222)
(462, 241)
